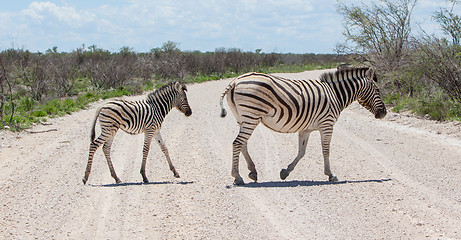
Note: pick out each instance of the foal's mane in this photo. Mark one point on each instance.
(162, 90)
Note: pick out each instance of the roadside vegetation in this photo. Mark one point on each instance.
(36, 86)
(420, 72)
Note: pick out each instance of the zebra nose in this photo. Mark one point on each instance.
(188, 113)
(381, 114)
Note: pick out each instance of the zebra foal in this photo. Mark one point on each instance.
(135, 117)
(302, 106)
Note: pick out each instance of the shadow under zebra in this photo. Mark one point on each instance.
(295, 183)
(125, 184)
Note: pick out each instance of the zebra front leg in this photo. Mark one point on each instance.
(94, 145)
(145, 152)
(106, 150)
(251, 166)
(162, 145)
(326, 139)
(303, 139)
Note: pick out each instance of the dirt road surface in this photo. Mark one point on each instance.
(399, 178)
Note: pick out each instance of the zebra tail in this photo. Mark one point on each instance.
(93, 128)
(228, 88)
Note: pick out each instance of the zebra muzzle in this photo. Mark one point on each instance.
(381, 114)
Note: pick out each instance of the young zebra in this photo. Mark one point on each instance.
(302, 106)
(135, 117)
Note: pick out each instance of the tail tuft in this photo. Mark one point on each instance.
(228, 88)
(93, 135)
(223, 113)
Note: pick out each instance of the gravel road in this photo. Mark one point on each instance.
(399, 178)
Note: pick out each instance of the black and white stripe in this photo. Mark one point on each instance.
(135, 117)
(302, 106)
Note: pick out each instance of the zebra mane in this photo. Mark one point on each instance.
(165, 89)
(336, 76)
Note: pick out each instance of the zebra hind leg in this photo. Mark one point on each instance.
(251, 166)
(106, 150)
(94, 145)
(239, 144)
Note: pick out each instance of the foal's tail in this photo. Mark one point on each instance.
(93, 130)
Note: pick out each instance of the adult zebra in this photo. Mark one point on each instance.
(302, 106)
(135, 117)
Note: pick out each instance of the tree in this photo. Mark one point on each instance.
(449, 22)
(441, 58)
(379, 32)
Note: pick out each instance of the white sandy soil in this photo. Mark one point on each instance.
(399, 178)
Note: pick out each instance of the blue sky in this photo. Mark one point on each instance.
(296, 26)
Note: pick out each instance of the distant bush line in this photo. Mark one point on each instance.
(34, 86)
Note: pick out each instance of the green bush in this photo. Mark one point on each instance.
(436, 106)
(39, 113)
(115, 93)
(26, 104)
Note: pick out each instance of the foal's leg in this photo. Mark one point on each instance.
(106, 150)
(303, 138)
(94, 145)
(145, 152)
(162, 145)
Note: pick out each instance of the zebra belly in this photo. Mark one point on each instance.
(133, 131)
(139, 128)
(271, 123)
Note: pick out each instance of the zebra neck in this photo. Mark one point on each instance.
(346, 90)
(161, 105)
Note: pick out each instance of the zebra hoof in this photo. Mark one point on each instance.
(117, 181)
(239, 182)
(176, 174)
(84, 181)
(145, 180)
(332, 178)
(284, 174)
(253, 176)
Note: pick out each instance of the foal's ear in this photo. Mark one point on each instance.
(180, 86)
(370, 73)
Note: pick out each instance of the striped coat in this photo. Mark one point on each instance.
(135, 117)
(297, 106)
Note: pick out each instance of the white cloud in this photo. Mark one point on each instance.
(47, 11)
(434, 4)
(196, 24)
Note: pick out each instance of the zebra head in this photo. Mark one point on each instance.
(370, 98)
(181, 102)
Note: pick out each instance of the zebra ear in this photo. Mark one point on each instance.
(371, 74)
(180, 86)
